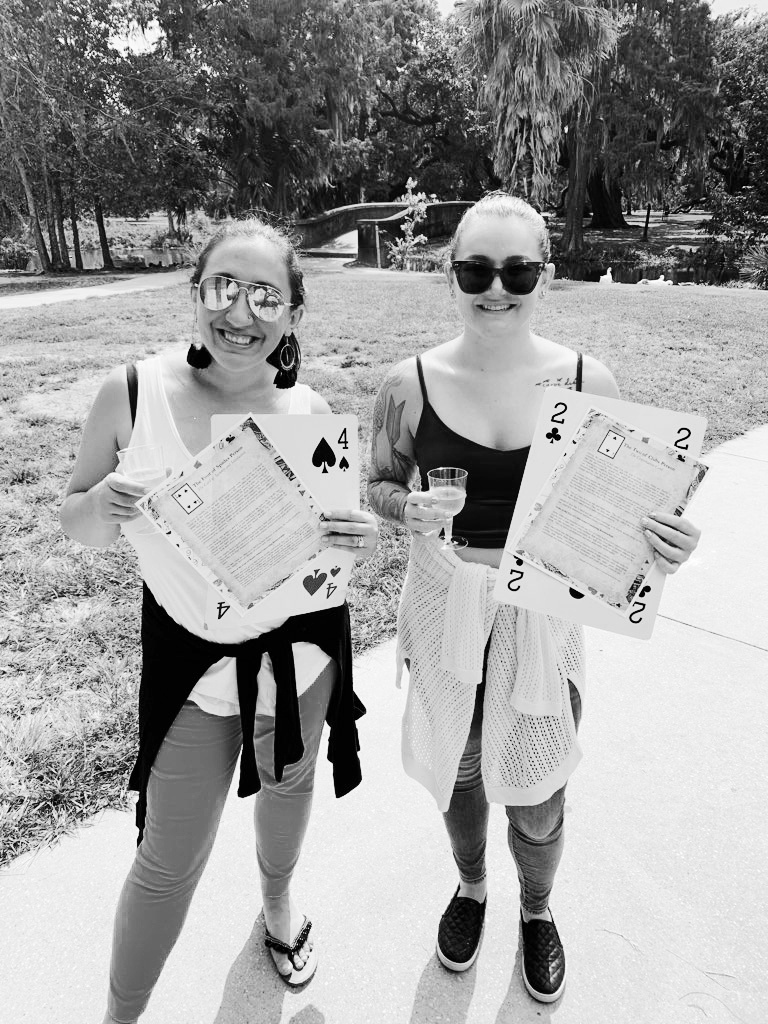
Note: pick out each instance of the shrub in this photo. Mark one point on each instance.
(14, 255)
(754, 267)
(403, 250)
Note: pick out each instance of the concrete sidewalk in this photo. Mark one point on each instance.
(661, 897)
(139, 283)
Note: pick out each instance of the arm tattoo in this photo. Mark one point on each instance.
(391, 469)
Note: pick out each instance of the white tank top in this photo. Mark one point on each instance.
(179, 588)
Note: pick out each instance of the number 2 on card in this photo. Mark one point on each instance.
(682, 436)
(515, 577)
(560, 410)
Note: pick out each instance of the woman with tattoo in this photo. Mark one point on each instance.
(493, 704)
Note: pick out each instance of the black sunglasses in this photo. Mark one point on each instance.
(517, 278)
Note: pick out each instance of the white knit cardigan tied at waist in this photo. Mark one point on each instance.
(446, 615)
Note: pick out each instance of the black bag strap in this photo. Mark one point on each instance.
(579, 361)
(421, 380)
(133, 389)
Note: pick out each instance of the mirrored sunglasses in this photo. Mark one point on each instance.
(517, 278)
(219, 292)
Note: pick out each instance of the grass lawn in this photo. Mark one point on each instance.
(69, 614)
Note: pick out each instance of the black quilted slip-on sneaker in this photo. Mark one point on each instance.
(543, 960)
(460, 931)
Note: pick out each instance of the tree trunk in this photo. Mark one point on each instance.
(75, 232)
(605, 197)
(573, 232)
(58, 211)
(523, 184)
(106, 256)
(171, 228)
(42, 252)
(51, 220)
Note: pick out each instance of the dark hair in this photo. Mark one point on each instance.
(252, 227)
(502, 204)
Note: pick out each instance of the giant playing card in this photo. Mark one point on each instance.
(528, 586)
(246, 513)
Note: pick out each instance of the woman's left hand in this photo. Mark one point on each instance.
(348, 529)
(673, 539)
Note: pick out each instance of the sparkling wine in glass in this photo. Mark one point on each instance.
(448, 487)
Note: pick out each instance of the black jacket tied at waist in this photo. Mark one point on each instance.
(175, 659)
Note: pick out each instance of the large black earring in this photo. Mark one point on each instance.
(287, 359)
(198, 357)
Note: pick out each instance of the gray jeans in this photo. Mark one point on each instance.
(534, 834)
(187, 789)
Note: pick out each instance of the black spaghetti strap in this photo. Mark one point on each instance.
(421, 380)
(133, 389)
(579, 361)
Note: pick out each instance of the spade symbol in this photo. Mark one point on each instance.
(313, 583)
(323, 456)
(343, 464)
(575, 594)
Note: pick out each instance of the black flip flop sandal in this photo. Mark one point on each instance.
(299, 975)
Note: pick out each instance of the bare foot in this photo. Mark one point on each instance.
(284, 922)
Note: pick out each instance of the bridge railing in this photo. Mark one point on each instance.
(373, 233)
(315, 231)
(377, 224)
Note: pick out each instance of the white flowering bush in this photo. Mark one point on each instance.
(403, 250)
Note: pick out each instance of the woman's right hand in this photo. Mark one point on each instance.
(420, 516)
(115, 498)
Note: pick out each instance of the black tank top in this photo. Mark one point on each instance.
(494, 475)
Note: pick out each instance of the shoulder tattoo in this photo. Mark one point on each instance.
(560, 382)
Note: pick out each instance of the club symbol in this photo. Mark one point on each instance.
(344, 465)
(644, 591)
(323, 455)
(553, 435)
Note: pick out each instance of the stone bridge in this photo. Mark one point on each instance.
(377, 224)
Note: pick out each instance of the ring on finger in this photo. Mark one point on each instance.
(359, 541)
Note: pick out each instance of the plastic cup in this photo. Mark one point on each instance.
(143, 463)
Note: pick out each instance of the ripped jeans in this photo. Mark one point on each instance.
(534, 834)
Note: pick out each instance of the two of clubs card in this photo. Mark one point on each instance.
(527, 586)
(323, 452)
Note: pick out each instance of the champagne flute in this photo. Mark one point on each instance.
(448, 488)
